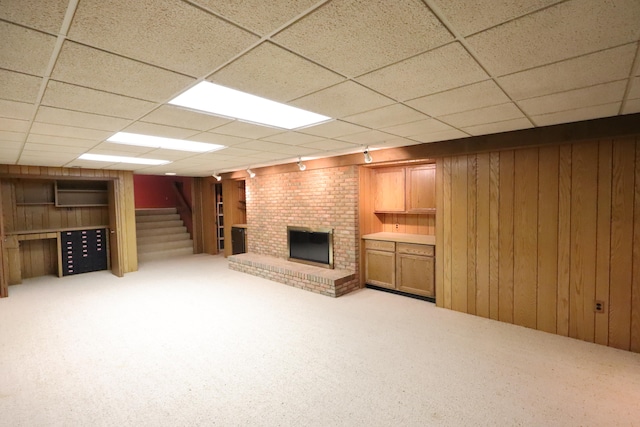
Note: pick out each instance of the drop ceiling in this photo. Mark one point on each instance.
(390, 73)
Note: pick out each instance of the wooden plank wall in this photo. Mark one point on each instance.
(234, 212)
(408, 223)
(536, 236)
(18, 218)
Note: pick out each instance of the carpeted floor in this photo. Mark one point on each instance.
(188, 342)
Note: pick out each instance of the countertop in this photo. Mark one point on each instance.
(420, 239)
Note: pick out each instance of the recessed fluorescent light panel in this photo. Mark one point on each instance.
(160, 142)
(120, 159)
(223, 101)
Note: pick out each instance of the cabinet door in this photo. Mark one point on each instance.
(421, 188)
(389, 191)
(380, 268)
(415, 274)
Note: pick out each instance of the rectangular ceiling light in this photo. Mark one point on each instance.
(222, 101)
(160, 142)
(120, 159)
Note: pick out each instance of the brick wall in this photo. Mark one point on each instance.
(313, 198)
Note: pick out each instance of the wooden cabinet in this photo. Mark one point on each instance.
(81, 193)
(415, 269)
(406, 267)
(410, 189)
(389, 190)
(421, 188)
(380, 263)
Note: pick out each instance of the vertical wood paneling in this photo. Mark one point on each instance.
(472, 170)
(494, 235)
(635, 284)
(603, 239)
(4, 262)
(547, 238)
(459, 228)
(446, 217)
(525, 232)
(564, 239)
(584, 182)
(622, 194)
(440, 212)
(505, 309)
(482, 246)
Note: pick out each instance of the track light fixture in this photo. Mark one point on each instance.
(301, 165)
(216, 176)
(367, 156)
(251, 173)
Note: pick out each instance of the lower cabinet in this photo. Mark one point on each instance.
(405, 267)
(83, 251)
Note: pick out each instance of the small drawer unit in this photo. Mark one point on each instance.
(83, 251)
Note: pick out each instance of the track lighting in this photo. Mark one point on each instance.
(217, 177)
(301, 165)
(367, 156)
(251, 173)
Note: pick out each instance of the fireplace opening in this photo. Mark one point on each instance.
(310, 245)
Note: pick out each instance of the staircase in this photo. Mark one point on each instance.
(161, 234)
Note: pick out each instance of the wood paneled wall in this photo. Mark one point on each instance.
(19, 218)
(234, 210)
(408, 223)
(536, 236)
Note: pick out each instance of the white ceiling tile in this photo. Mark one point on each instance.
(175, 116)
(468, 17)
(14, 125)
(246, 130)
(333, 129)
(33, 13)
(120, 149)
(60, 140)
(19, 87)
(37, 44)
(368, 137)
(342, 100)
(588, 70)
(632, 106)
(496, 113)
(332, 144)
(6, 135)
(544, 37)
(444, 135)
(477, 95)
(216, 138)
(354, 37)
(418, 128)
(258, 15)
(97, 69)
(8, 156)
(16, 110)
(391, 115)
(262, 146)
(236, 152)
(274, 73)
(26, 160)
(505, 126)
(293, 138)
(68, 131)
(70, 97)
(586, 113)
(57, 155)
(165, 33)
(78, 119)
(435, 71)
(577, 98)
(68, 149)
(634, 92)
(160, 130)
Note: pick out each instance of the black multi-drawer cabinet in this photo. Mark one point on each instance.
(83, 251)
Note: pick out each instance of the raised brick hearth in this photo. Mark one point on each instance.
(330, 282)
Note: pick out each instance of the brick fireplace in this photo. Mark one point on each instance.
(324, 198)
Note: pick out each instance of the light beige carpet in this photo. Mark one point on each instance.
(188, 342)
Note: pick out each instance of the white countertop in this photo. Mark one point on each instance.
(420, 239)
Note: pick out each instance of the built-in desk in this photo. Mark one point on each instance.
(12, 248)
(401, 262)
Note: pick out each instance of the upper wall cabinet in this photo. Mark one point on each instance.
(421, 189)
(389, 191)
(81, 193)
(410, 189)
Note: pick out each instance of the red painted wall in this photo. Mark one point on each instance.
(151, 191)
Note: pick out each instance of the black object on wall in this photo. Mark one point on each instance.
(238, 240)
(83, 251)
